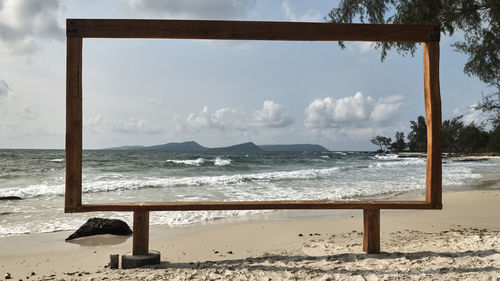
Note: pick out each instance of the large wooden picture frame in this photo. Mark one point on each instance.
(77, 29)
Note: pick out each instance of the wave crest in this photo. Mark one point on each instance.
(196, 162)
(221, 162)
(131, 184)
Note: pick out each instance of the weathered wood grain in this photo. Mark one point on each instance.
(250, 30)
(433, 186)
(73, 194)
(140, 243)
(371, 231)
(255, 205)
(77, 29)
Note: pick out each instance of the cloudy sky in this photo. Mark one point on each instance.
(140, 91)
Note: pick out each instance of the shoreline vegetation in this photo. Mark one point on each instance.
(457, 138)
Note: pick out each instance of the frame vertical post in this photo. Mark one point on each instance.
(371, 231)
(73, 198)
(141, 233)
(433, 188)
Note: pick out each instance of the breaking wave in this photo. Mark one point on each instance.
(196, 162)
(131, 184)
(221, 162)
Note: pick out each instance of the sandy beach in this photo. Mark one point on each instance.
(460, 242)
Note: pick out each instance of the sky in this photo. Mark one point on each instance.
(216, 92)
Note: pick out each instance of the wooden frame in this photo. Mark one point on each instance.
(77, 29)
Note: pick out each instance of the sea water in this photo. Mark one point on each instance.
(38, 176)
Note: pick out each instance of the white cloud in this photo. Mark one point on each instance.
(29, 113)
(365, 47)
(470, 114)
(386, 108)
(93, 123)
(237, 45)
(201, 119)
(272, 115)
(4, 88)
(137, 126)
(351, 115)
(222, 119)
(309, 16)
(11, 131)
(24, 22)
(222, 9)
(331, 113)
(156, 103)
(228, 118)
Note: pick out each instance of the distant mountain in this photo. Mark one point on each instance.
(172, 146)
(294, 147)
(178, 146)
(126, 147)
(243, 147)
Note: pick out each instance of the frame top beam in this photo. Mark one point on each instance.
(250, 30)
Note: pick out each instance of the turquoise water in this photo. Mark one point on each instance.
(37, 176)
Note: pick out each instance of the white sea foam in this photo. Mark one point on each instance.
(131, 184)
(392, 160)
(33, 191)
(310, 178)
(221, 162)
(63, 222)
(195, 162)
(15, 229)
(386, 157)
(57, 160)
(265, 186)
(457, 174)
(369, 182)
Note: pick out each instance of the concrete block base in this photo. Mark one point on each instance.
(134, 261)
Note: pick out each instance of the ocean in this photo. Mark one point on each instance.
(37, 176)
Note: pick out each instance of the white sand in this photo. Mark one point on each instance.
(460, 242)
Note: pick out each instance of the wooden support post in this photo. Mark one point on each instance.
(433, 183)
(371, 231)
(141, 233)
(73, 198)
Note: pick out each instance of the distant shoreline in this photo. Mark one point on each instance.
(193, 146)
(448, 155)
(472, 156)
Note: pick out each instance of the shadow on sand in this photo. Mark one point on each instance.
(302, 262)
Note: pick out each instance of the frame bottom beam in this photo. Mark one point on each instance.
(255, 205)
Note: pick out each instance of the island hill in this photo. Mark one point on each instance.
(243, 147)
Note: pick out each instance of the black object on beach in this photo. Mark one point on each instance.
(113, 261)
(95, 226)
(10, 198)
